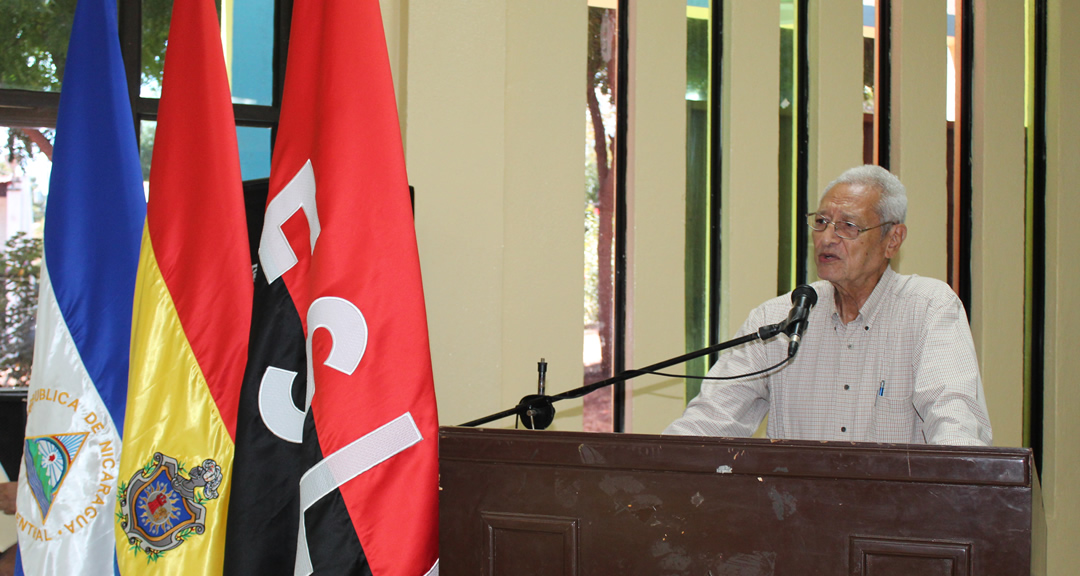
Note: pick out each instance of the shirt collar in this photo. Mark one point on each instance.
(870, 308)
(868, 312)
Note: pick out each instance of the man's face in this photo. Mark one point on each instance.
(854, 265)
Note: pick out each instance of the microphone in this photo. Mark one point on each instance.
(535, 410)
(803, 299)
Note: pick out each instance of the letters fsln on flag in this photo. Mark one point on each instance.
(78, 386)
(337, 426)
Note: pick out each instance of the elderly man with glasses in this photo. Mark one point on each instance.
(885, 357)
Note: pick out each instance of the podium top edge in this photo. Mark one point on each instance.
(981, 465)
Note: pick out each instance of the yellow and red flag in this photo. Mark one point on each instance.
(192, 316)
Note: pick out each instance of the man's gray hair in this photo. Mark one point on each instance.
(892, 206)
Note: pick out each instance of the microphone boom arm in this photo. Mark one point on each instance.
(539, 407)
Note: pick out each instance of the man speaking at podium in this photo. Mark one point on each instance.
(884, 358)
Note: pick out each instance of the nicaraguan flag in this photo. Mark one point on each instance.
(78, 388)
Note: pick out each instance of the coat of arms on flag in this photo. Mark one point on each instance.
(191, 318)
(160, 507)
(48, 460)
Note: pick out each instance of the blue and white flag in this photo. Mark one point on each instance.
(78, 386)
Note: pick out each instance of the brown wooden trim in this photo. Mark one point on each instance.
(743, 456)
(27, 108)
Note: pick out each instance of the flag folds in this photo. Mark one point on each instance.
(78, 387)
(192, 314)
(337, 426)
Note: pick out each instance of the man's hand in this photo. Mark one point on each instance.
(7, 561)
(8, 490)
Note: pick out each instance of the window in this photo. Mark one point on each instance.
(600, 333)
(33, 51)
(699, 220)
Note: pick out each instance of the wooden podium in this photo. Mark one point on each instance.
(518, 502)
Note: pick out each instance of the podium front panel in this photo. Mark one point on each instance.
(525, 502)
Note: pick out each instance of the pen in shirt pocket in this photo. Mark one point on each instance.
(881, 389)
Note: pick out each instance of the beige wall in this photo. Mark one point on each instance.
(656, 193)
(835, 118)
(836, 86)
(750, 172)
(1061, 462)
(494, 145)
(917, 150)
(543, 194)
(455, 155)
(493, 117)
(395, 15)
(494, 149)
(997, 243)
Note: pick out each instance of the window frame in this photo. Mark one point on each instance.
(30, 108)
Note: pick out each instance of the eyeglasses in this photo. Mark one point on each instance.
(845, 230)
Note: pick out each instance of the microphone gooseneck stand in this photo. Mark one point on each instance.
(537, 412)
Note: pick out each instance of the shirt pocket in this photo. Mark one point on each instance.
(892, 420)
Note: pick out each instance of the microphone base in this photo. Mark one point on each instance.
(536, 411)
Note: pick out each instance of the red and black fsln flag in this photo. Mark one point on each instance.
(336, 466)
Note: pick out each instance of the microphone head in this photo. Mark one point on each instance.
(806, 293)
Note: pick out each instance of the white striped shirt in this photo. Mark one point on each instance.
(903, 371)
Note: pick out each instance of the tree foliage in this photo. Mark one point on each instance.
(33, 43)
(21, 266)
(601, 85)
(155, 34)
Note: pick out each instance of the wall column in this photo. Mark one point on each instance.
(918, 132)
(656, 196)
(1061, 456)
(997, 243)
(750, 141)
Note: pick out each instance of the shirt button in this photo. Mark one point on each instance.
(843, 428)
(850, 346)
(846, 387)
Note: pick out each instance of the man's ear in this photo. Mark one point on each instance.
(894, 239)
